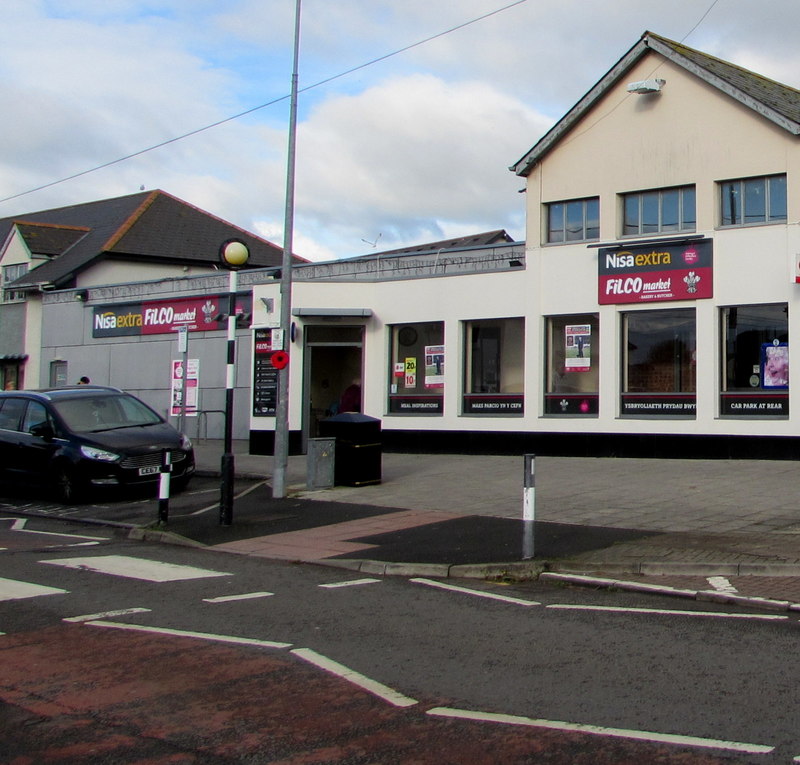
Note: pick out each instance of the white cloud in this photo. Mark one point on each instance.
(414, 148)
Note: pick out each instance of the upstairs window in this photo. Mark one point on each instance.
(746, 201)
(661, 211)
(574, 221)
(9, 274)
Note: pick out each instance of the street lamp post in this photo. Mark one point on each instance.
(233, 255)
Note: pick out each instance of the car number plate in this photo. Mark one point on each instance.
(149, 470)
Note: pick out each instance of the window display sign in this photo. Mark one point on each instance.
(156, 317)
(775, 365)
(185, 382)
(265, 374)
(754, 404)
(656, 273)
(498, 403)
(434, 366)
(672, 404)
(577, 348)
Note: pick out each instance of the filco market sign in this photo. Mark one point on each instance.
(656, 273)
(156, 317)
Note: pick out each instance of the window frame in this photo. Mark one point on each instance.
(684, 223)
(586, 220)
(769, 218)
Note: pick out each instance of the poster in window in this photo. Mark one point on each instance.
(185, 381)
(577, 348)
(775, 365)
(410, 372)
(434, 366)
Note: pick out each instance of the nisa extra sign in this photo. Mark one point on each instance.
(656, 273)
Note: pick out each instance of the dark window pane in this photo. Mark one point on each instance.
(777, 198)
(630, 224)
(574, 221)
(755, 200)
(731, 203)
(650, 213)
(555, 225)
(592, 218)
(688, 215)
(669, 210)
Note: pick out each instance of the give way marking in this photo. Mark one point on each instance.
(135, 568)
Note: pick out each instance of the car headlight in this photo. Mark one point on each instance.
(186, 443)
(93, 453)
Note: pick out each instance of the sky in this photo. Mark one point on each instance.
(409, 115)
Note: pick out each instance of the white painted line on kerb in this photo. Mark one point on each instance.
(11, 589)
(596, 730)
(371, 686)
(136, 568)
(721, 584)
(186, 633)
(351, 583)
(243, 596)
(668, 612)
(478, 593)
(106, 615)
(19, 525)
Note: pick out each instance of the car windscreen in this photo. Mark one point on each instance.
(93, 413)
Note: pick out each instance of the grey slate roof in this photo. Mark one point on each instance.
(485, 239)
(774, 101)
(150, 226)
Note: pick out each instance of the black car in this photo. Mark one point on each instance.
(76, 438)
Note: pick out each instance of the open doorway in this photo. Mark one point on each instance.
(333, 374)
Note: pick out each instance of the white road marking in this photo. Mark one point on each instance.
(215, 506)
(668, 612)
(372, 686)
(186, 633)
(478, 593)
(106, 615)
(659, 738)
(18, 524)
(245, 596)
(351, 583)
(11, 589)
(721, 584)
(136, 568)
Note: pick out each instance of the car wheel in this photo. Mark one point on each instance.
(66, 486)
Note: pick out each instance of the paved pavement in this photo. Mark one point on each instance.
(706, 529)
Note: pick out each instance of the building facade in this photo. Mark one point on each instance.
(649, 313)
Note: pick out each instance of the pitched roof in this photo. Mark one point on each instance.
(778, 103)
(150, 226)
(486, 239)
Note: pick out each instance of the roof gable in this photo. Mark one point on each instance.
(774, 101)
(148, 226)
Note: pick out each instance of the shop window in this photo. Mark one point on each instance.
(661, 211)
(494, 368)
(572, 348)
(659, 363)
(417, 373)
(755, 361)
(747, 201)
(574, 221)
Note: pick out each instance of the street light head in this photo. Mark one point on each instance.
(233, 254)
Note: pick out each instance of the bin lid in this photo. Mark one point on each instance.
(351, 417)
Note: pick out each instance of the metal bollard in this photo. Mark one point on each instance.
(528, 506)
(163, 486)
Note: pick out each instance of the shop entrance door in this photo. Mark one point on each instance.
(332, 374)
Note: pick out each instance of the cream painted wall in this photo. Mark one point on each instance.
(110, 271)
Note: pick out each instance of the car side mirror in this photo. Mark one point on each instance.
(44, 430)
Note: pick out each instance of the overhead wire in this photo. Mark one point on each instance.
(253, 109)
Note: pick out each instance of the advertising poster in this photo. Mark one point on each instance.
(411, 372)
(185, 382)
(265, 375)
(577, 348)
(434, 366)
(775, 365)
